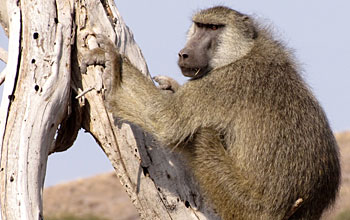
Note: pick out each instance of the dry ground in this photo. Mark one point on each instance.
(103, 196)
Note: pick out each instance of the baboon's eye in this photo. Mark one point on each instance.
(214, 27)
(209, 26)
(200, 25)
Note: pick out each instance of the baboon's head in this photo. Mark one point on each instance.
(217, 37)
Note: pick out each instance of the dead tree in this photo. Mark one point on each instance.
(47, 100)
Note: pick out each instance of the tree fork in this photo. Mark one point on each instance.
(42, 81)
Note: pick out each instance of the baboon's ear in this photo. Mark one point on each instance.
(249, 29)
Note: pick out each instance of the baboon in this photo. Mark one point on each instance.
(255, 137)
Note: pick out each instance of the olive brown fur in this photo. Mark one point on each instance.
(253, 134)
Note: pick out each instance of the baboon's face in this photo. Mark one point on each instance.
(194, 58)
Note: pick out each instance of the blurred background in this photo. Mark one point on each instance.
(317, 30)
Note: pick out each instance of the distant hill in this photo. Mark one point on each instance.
(103, 197)
(341, 210)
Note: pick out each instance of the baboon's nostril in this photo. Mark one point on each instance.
(183, 55)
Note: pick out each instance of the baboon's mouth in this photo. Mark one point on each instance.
(193, 72)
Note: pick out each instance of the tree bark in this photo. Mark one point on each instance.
(34, 102)
(46, 94)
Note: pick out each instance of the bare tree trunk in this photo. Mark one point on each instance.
(35, 101)
(42, 81)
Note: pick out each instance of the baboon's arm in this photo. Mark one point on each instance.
(137, 100)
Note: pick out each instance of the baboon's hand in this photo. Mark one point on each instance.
(166, 83)
(106, 55)
(92, 57)
(112, 73)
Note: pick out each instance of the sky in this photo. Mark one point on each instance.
(317, 31)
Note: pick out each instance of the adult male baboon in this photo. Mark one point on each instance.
(255, 137)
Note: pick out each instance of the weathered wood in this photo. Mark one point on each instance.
(3, 57)
(39, 83)
(156, 179)
(35, 101)
(4, 17)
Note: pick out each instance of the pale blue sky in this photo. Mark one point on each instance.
(317, 30)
